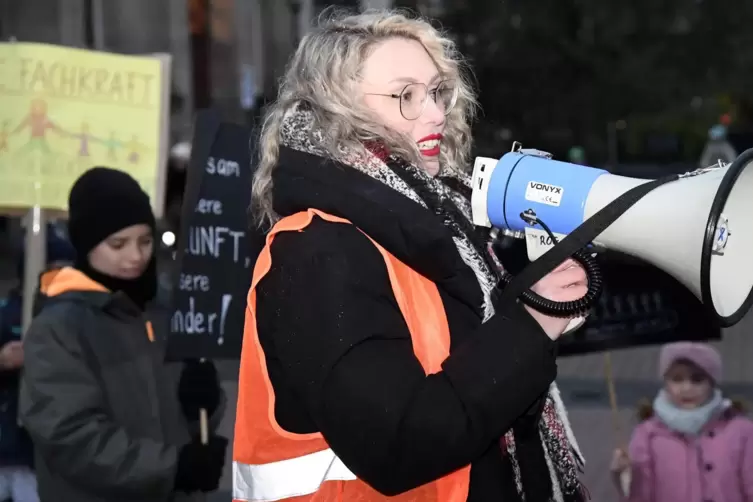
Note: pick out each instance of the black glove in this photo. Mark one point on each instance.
(200, 465)
(199, 387)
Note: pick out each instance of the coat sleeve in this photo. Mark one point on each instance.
(746, 468)
(65, 413)
(642, 475)
(10, 313)
(334, 334)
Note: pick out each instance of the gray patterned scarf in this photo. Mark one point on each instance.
(561, 450)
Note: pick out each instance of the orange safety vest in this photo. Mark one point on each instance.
(270, 463)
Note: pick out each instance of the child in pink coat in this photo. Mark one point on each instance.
(695, 446)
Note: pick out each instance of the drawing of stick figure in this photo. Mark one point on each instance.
(135, 147)
(83, 149)
(38, 123)
(112, 145)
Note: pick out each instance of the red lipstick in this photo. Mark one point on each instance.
(432, 146)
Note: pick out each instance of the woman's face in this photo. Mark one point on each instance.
(393, 65)
(124, 254)
(687, 385)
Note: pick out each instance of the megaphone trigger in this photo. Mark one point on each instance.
(572, 309)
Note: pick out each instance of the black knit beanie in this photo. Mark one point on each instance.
(104, 201)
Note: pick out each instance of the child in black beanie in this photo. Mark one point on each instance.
(97, 399)
(112, 228)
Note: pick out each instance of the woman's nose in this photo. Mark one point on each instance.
(434, 112)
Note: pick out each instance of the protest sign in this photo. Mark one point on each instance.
(64, 110)
(215, 254)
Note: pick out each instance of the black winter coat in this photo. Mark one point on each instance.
(339, 353)
(98, 401)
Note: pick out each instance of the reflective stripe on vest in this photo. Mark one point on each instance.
(272, 464)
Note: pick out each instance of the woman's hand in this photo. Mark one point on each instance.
(566, 283)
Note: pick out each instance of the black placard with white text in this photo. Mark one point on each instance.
(216, 237)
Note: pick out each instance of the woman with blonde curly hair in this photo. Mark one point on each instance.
(376, 360)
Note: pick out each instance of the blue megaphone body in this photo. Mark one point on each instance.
(525, 180)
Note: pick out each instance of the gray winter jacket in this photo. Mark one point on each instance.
(98, 401)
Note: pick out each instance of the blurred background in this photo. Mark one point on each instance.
(618, 82)
(641, 88)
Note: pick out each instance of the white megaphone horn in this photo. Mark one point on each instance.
(699, 228)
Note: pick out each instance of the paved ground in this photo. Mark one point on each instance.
(583, 386)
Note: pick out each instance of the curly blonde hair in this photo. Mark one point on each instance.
(324, 73)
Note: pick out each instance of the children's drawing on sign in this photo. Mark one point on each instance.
(112, 145)
(40, 152)
(135, 148)
(86, 138)
(38, 123)
(83, 137)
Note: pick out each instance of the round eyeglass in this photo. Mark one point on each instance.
(414, 97)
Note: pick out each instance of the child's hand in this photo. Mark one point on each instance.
(12, 356)
(620, 462)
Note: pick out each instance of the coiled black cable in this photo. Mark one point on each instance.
(552, 308)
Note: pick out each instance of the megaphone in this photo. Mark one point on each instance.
(699, 228)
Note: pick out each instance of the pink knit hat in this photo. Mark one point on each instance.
(702, 355)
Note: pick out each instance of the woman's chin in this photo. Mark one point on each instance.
(431, 165)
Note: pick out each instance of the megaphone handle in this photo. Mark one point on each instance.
(574, 308)
(577, 240)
